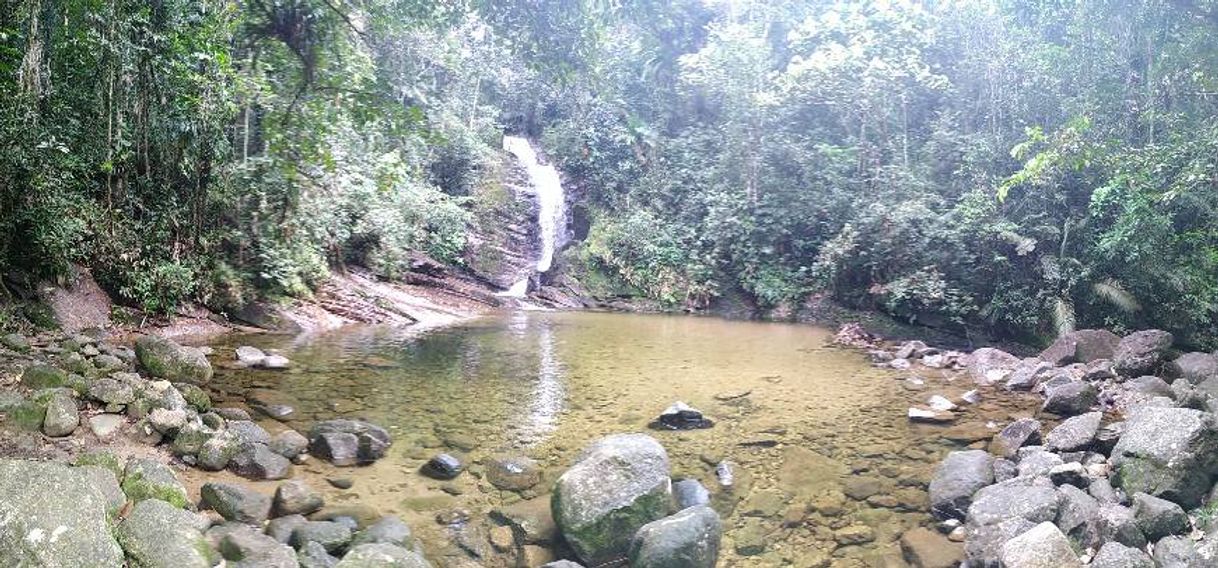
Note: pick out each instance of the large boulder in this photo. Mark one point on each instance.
(959, 476)
(1117, 555)
(1141, 352)
(163, 358)
(348, 442)
(257, 461)
(245, 547)
(1070, 398)
(618, 484)
(236, 503)
(1082, 346)
(295, 497)
(149, 479)
(989, 365)
(1029, 498)
(53, 515)
(1074, 434)
(1195, 368)
(1017, 434)
(1158, 518)
(1170, 453)
(159, 535)
(382, 555)
(688, 539)
(1043, 546)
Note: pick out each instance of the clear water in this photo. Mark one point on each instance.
(801, 420)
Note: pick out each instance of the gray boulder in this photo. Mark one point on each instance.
(1020, 433)
(959, 476)
(983, 545)
(688, 539)
(381, 555)
(1141, 352)
(1037, 462)
(1178, 552)
(331, 535)
(1027, 374)
(1074, 434)
(1082, 346)
(148, 479)
(388, 530)
(244, 547)
(61, 418)
(295, 497)
(159, 535)
(1195, 368)
(1170, 453)
(690, 493)
(54, 515)
(111, 391)
(314, 555)
(617, 485)
(163, 358)
(236, 503)
(1070, 398)
(1116, 523)
(257, 461)
(1043, 546)
(216, 452)
(988, 365)
(281, 528)
(371, 441)
(1031, 499)
(248, 432)
(289, 444)
(1076, 515)
(1116, 555)
(1158, 518)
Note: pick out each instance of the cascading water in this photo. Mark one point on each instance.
(551, 203)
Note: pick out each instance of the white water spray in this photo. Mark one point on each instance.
(551, 206)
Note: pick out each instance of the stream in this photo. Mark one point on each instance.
(828, 471)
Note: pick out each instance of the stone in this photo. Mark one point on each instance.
(289, 444)
(274, 362)
(924, 548)
(1158, 518)
(110, 391)
(1071, 398)
(860, 488)
(1141, 352)
(257, 461)
(1031, 499)
(1168, 453)
(1076, 515)
(314, 555)
(274, 403)
(104, 426)
(1072, 473)
(1074, 434)
(532, 521)
(149, 479)
(331, 535)
(165, 359)
(40, 376)
(854, 534)
(216, 452)
(54, 515)
(513, 473)
(1117, 555)
(690, 493)
(371, 441)
(960, 475)
(250, 356)
(1103, 491)
(1036, 462)
(1196, 368)
(1043, 546)
(281, 528)
(167, 421)
(295, 497)
(381, 555)
(930, 416)
(61, 417)
(983, 545)
(195, 397)
(103, 479)
(1116, 523)
(245, 547)
(750, 538)
(159, 535)
(617, 485)
(1082, 346)
(689, 538)
(681, 416)
(388, 530)
(1017, 434)
(16, 342)
(1149, 386)
(248, 432)
(442, 466)
(1178, 552)
(1028, 374)
(989, 365)
(236, 503)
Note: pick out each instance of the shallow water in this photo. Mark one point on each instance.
(802, 421)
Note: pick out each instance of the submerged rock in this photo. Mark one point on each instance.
(689, 539)
(513, 473)
(619, 484)
(925, 548)
(690, 493)
(681, 416)
(348, 442)
(443, 467)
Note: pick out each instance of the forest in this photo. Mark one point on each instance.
(1024, 167)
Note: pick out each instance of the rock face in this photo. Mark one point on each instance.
(689, 539)
(159, 535)
(957, 479)
(988, 365)
(165, 359)
(1141, 352)
(1082, 346)
(348, 442)
(1043, 546)
(1168, 453)
(53, 515)
(619, 484)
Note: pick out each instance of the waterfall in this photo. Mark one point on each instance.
(551, 215)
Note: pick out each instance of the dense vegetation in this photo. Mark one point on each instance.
(1025, 166)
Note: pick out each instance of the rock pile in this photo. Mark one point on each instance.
(1100, 491)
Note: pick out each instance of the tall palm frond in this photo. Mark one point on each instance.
(1112, 292)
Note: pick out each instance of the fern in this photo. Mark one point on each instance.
(1112, 292)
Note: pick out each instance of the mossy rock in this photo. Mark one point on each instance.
(195, 396)
(102, 458)
(28, 415)
(16, 342)
(165, 359)
(158, 535)
(43, 377)
(147, 479)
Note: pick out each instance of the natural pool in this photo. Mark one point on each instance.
(828, 470)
